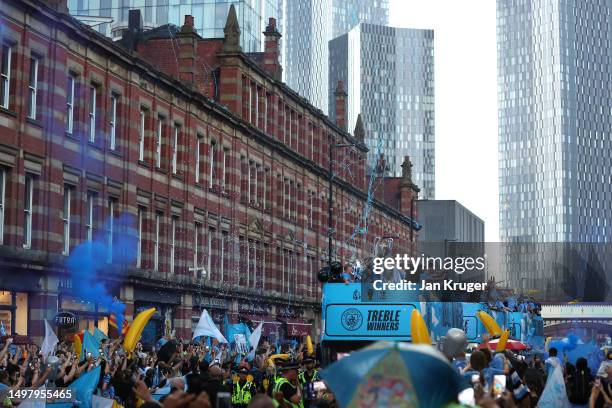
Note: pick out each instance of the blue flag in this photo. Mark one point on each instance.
(99, 336)
(90, 344)
(84, 387)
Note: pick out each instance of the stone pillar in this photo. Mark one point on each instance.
(182, 317)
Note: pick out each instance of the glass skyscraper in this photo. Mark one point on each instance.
(389, 78)
(308, 25)
(209, 16)
(555, 126)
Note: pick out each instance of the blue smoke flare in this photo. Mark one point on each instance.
(89, 264)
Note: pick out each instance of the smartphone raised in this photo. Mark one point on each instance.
(499, 385)
(224, 400)
(466, 397)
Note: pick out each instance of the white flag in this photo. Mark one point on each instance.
(206, 327)
(254, 340)
(48, 345)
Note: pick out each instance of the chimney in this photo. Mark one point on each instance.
(187, 45)
(131, 36)
(231, 41)
(408, 191)
(340, 95)
(58, 5)
(359, 131)
(271, 50)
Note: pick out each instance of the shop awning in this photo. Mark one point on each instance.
(268, 327)
(298, 329)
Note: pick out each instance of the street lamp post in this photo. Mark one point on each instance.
(330, 200)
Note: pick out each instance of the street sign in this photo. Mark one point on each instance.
(65, 320)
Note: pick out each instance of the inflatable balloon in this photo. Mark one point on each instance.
(135, 330)
(489, 323)
(454, 342)
(275, 357)
(501, 344)
(418, 328)
(309, 346)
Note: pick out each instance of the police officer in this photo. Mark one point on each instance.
(287, 389)
(307, 377)
(243, 390)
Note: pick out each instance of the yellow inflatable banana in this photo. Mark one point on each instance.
(135, 330)
(501, 344)
(309, 346)
(275, 357)
(78, 346)
(418, 328)
(489, 323)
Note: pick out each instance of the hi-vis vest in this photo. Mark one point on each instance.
(242, 395)
(277, 388)
(302, 377)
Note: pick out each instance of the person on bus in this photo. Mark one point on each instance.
(287, 392)
(307, 377)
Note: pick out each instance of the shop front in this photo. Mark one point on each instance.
(162, 321)
(88, 315)
(216, 307)
(15, 294)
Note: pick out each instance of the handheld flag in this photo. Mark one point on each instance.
(206, 327)
(84, 387)
(91, 344)
(50, 341)
(254, 340)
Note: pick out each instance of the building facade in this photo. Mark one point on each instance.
(219, 177)
(310, 25)
(389, 77)
(448, 221)
(554, 120)
(209, 16)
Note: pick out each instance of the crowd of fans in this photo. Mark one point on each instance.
(185, 374)
(172, 374)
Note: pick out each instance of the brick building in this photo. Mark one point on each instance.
(223, 167)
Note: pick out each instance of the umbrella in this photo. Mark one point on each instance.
(510, 345)
(394, 375)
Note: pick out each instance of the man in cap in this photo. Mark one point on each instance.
(307, 377)
(287, 390)
(243, 390)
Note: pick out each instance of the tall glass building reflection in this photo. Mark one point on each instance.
(209, 16)
(389, 78)
(555, 126)
(308, 25)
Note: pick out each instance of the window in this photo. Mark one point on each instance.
(66, 218)
(265, 188)
(256, 106)
(211, 160)
(196, 252)
(89, 224)
(175, 148)
(113, 121)
(223, 163)
(197, 158)
(5, 75)
(250, 103)
(141, 136)
(224, 235)
(139, 243)
(33, 88)
(158, 141)
(2, 198)
(27, 209)
(156, 243)
(172, 243)
(109, 230)
(209, 251)
(265, 111)
(70, 104)
(93, 93)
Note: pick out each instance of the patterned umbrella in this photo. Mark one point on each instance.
(394, 375)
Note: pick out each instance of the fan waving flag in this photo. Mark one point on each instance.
(112, 321)
(48, 345)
